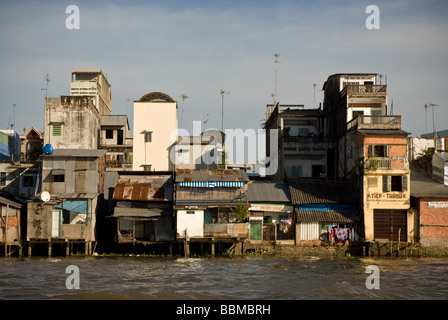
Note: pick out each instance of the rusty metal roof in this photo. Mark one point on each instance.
(144, 188)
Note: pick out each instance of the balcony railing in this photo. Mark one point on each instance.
(375, 122)
(210, 196)
(364, 89)
(373, 163)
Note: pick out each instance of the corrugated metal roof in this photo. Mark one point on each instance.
(210, 175)
(318, 191)
(12, 203)
(268, 191)
(114, 120)
(144, 188)
(326, 216)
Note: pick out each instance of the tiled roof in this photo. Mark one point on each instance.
(268, 191)
(319, 191)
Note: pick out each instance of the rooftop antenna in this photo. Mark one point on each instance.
(47, 79)
(276, 74)
(314, 103)
(222, 92)
(205, 120)
(426, 119)
(432, 105)
(184, 97)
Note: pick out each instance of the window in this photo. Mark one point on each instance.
(57, 129)
(190, 212)
(378, 151)
(29, 181)
(109, 134)
(58, 178)
(148, 136)
(395, 183)
(147, 167)
(74, 211)
(2, 179)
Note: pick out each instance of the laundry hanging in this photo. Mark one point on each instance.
(342, 233)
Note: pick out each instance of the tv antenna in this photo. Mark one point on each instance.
(205, 120)
(47, 79)
(276, 74)
(222, 92)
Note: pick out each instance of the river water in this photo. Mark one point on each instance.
(223, 278)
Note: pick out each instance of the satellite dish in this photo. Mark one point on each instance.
(45, 196)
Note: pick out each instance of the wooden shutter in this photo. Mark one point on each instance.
(386, 184)
(404, 183)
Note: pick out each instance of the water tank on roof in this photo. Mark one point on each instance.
(48, 149)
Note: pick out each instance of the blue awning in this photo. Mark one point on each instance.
(212, 184)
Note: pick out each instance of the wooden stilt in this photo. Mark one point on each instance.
(49, 247)
(67, 248)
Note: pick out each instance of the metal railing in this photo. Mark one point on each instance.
(375, 122)
(210, 196)
(373, 163)
(367, 88)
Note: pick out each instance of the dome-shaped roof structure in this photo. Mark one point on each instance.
(157, 97)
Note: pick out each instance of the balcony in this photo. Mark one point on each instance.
(365, 90)
(393, 163)
(375, 122)
(210, 196)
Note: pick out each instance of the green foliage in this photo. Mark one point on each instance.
(240, 211)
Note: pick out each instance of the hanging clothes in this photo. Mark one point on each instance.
(342, 233)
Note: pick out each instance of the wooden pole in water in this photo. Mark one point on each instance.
(6, 230)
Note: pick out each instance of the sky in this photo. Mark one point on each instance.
(197, 48)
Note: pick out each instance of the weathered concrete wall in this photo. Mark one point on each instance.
(79, 120)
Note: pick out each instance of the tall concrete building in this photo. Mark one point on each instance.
(155, 122)
(74, 121)
(372, 153)
(92, 82)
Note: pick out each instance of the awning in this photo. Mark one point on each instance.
(212, 184)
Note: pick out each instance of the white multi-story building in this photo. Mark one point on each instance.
(155, 125)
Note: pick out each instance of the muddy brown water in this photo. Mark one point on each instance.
(226, 278)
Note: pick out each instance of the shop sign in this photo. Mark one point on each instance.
(378, 196)
(270, 207)
(438, 204)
